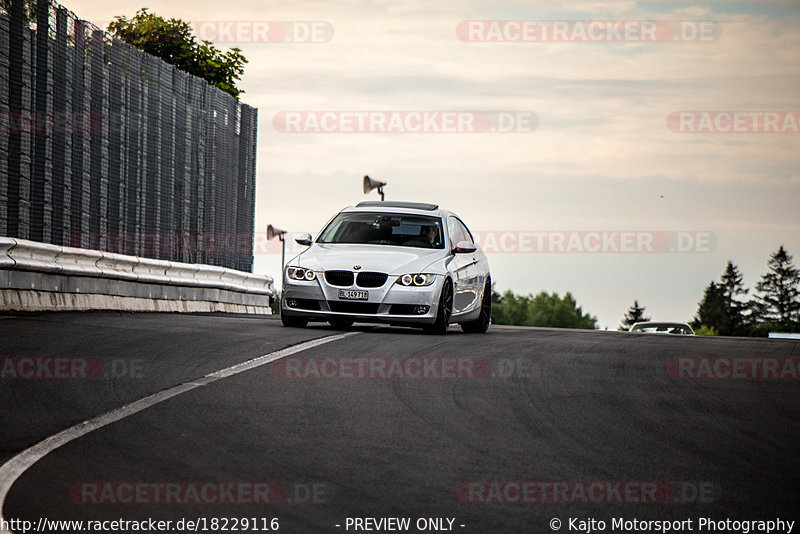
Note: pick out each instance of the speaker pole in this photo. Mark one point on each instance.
(368, 184)
(283, 252)
(272, 233)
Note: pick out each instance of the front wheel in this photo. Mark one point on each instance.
(481, 324)
(444, 312)
(293, 322)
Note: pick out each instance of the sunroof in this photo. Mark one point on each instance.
(391, 204)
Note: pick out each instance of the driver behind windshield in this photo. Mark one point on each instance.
(431, 235)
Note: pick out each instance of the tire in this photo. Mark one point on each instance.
(341, 323)
(444, 311)
(294, 322)
(481, 324)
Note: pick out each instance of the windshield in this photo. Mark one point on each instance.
(384, 229)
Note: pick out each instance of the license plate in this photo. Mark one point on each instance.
(353, 294)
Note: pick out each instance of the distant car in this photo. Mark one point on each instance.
(403, 263)
(663, 328)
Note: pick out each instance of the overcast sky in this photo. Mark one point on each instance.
(595, 152)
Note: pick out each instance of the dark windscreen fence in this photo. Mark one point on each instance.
(105, 147)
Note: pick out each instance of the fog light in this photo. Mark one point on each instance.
(292, 303)
(421, 310)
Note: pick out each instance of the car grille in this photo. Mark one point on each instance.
(366, 308)
(339, 278)
(368, 279)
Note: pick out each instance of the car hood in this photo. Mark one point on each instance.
(380, 258)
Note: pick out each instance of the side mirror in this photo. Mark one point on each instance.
(465, 247)
(303, 239)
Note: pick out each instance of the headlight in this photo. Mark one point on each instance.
(416, 279)
(299, 273)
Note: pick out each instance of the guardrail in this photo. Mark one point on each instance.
(84, 264)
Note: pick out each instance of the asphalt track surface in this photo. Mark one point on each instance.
(575, 410)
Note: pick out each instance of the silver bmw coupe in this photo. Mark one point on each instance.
(403, 263)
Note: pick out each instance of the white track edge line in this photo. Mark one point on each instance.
(11, 470)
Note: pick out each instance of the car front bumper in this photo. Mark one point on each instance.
(317, 300)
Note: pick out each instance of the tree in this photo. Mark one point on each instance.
(541, 310)
(711, 310)
(27, 11)
(509, 308)
(172, 40)
(731, 287)
(779, 299)
(550, 310)
(704, 330)
(634, 315)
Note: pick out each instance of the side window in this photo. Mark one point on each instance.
(455, 229)
(465, 232)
